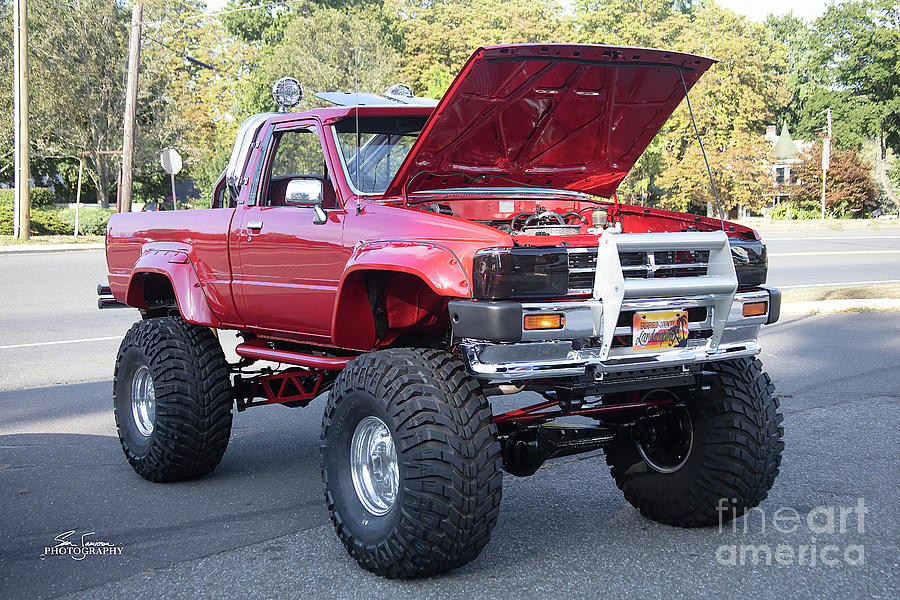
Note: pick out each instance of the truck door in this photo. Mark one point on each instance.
(290, 266)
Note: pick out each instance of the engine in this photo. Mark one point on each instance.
(541, 222)
(547, 222)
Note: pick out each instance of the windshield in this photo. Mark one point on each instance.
(382, 143)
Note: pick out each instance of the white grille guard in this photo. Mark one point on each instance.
(612, 291)
(611, 287)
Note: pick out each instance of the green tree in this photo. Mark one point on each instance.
(192, 77)
(654, 23)
(76, 74)
(6, 94)
(438, 36)
(864, 37)
(326, 50)
(732, 104)
(250, 25)
(814, 87)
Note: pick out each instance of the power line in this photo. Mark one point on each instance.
(191, 59)
(190, 18)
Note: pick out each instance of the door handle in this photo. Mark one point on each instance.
(254, 225)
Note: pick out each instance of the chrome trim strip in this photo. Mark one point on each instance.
(577, 364)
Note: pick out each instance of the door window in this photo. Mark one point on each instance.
(298, 153)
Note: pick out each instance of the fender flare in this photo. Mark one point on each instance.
(175, 264)
(436, 265)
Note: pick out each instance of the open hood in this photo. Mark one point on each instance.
(572, 117)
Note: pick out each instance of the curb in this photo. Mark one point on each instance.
(821, 307)
(31, 249)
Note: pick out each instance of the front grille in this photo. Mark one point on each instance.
(636, 265)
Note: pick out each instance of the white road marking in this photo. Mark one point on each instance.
(833, 237)
(838, 284)
(34, 344)
(835, 252)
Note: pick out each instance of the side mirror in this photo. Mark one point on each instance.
(303, 192)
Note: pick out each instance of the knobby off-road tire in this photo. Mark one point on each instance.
(185, 433)
(449, 478)
(734, 454)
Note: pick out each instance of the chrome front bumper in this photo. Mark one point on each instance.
(503, 362)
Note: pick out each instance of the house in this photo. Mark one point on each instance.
(787, 154)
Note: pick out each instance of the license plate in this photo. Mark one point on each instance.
(659, 330)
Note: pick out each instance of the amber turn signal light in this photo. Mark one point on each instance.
(755, 309)
(545, 321)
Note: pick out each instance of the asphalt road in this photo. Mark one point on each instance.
(833, 257)
(257, 527)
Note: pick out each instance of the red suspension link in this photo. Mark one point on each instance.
(278, 388)
(540, 411)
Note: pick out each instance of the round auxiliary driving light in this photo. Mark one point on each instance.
(287, 93)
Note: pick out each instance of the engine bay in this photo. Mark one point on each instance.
(537, 220)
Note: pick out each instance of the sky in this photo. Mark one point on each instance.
(755, 10)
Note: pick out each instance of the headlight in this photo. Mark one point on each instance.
(750, 262)
(520, 273)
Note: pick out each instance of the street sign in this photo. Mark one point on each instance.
(826, 154)
(171, 161)
(171, 164)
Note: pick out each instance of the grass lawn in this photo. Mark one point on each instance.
(859, 292)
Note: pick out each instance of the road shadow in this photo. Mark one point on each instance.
(53, 483)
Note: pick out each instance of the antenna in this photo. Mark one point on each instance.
(699, 139)
(356, 78)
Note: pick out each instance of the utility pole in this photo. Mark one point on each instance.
(78, 193)
(134, 59)
(22, 217)
(826, 160)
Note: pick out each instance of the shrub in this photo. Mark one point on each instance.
(6, 220)
(47, 223)
(42, 223)
(92, 220)
(41, 198)
(781, 212)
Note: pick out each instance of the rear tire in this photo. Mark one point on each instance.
(172, 399)
(434, 512)
(727, 465)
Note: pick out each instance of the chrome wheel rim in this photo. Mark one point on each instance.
(374, 466)
(143, 401)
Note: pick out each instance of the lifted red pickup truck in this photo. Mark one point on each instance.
(415, 260)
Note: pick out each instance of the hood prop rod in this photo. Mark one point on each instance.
(703, 150)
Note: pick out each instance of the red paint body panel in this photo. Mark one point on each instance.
(290, 269)
(561, 116)
(201, 234)
(437, 248)
(177, 267)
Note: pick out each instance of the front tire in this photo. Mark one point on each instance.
(411, 463)
(709, 458)
(172, 399)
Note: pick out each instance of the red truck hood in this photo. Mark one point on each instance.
(573, 117)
